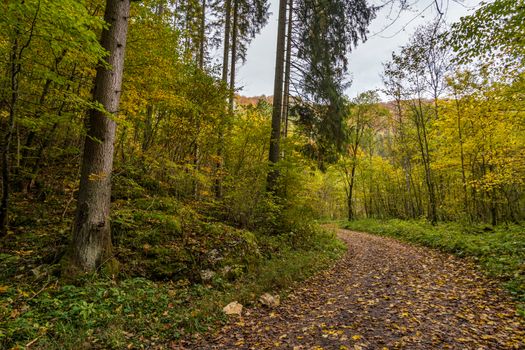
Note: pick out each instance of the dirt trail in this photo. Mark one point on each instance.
(382, 295)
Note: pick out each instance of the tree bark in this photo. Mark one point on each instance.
(350, 196)
(275, 135)
(462, 158)
(15, 67)
(217, 186)
(202, 39)
(234, 56)
(91, 245)
(8, 135)
(425, 157)
(287, 71)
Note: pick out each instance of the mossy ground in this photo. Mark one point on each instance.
(163, 246)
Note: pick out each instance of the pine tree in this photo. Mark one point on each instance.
(326, 32)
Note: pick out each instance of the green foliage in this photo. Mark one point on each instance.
(181, 253)
(500, 250)
(493, 33)
(108, 313)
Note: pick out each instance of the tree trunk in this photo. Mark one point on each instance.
(287, 72)
(8, 135)
(226, 51)
(273, 157)
(462, 158)
(234, 56)
(493, 209)
(351, 215)
(217, 186)
(15, 67)
(425, 157)
(91, 245)
(202, 39)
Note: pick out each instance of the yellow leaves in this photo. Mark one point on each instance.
(23, 293)
(15, 313)
(97, 177)
(23, 252)
(356, 337)
(3, 289)
(332, 332)
(462, 340)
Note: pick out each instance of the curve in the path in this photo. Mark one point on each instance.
(382, 295)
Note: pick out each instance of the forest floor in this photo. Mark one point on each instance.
(382, 294)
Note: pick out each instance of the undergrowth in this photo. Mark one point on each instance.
(500, 251)
(179, 268)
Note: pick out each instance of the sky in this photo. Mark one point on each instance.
(365, 62)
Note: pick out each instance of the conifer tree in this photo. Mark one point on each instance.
(326, 32)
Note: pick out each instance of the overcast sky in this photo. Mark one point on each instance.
(256, 76)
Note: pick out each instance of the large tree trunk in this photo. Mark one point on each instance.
(91, 245)
(217, 186)
(234, 55)
(287, 71)
(277, 99)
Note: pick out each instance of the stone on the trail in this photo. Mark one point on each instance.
(270, 301)
(233, 308)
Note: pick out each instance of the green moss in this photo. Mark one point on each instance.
(140, 311)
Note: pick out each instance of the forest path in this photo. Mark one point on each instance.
(382, 294)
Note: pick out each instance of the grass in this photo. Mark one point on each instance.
(500, 251)
(159, 294)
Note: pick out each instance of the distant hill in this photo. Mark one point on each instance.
(253, 100)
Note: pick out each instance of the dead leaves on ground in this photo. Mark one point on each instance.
(382, 295)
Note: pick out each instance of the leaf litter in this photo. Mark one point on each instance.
(383, 294)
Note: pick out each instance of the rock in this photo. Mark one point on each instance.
(40, 271)
(231, 273)
(214, 256)
(233, 308)
(269, 300)
(207, 275)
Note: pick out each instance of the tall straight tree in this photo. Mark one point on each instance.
(91, 245)
(18, 45)
(234, 45)
(217, 187)
(243, 20)
(249, 17)
(287, 70)
(277, 98)
(325, 32)
(202, 36)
